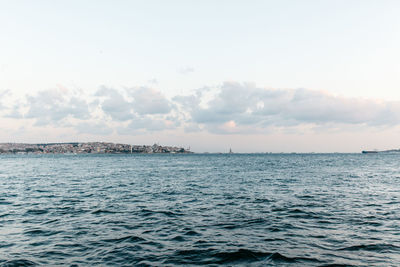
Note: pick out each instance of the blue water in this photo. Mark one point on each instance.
(250, 210)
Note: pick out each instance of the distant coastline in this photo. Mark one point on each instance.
(383, 151)
(87, 148)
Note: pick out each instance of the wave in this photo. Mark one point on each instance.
(19, 263)
(101, 211)
(147, 212)
(115, 211)
(40, 232)
(36, 212)
(372, 247)
(337, 265)
(129, 238)
(242, 223)
(240, 256)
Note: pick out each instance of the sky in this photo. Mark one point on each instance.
(254, 76)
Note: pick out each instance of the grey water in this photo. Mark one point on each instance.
(200, 209)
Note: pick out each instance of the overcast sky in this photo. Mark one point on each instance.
(254, 76)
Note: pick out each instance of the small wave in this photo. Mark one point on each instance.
(146, 212)
(273, 239)
(40, 232)
(372, 247)
(55, 254)
(282, 227)
(305, 196)
(19, 263)
(277, 209)
(262, 200)
(324, 222)
(256, 221)
(129, 238)
(279, 257)
(275, 229)
(50, 221)
(71, 245)
(302, 214)
(392, 203)
(40, 243)
(228, 226)
(5, 244)
(296, 211)
(240, 224)
(240, 256)
(276, 256)
(192, 233)
(245, 255)
(36, 212)
(70, 201)
(101, 211)
(373, 223)
(42, 191)
(190, 256)
(178, 238)
(337, 265)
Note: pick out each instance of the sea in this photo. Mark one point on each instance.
(200, 209)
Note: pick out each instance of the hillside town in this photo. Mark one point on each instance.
(86, 148)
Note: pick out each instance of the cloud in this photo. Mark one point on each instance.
(185, 70)
(94, 128)
(130, 103)
(152, 81)
(149, 101)
(53, 106)
(232, 108)
(243, 107)
(147, 124)
(3, 94)
(115, 104)
(129, 110)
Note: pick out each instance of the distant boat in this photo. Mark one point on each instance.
(230, 151)
(394, 151)
(369, 151)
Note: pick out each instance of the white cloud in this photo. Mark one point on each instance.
(185, 70)
(146, 124)
(252, 108)
(149, 101)
(135, 110)
(114, 104)
(53, 107)
(3, 95)
(232, 108)
(95, 128)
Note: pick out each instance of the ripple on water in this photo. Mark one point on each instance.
(240, 256)
(18, 263)
(374, 247)
(157, 210)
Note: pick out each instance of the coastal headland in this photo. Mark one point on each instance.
(87, 148)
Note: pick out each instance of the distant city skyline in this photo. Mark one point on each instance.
(259, 76)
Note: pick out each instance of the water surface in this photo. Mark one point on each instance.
(250, 210)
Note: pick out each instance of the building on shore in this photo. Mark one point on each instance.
(86, 148)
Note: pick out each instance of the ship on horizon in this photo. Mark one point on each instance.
(383, 151)
(369, 151)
